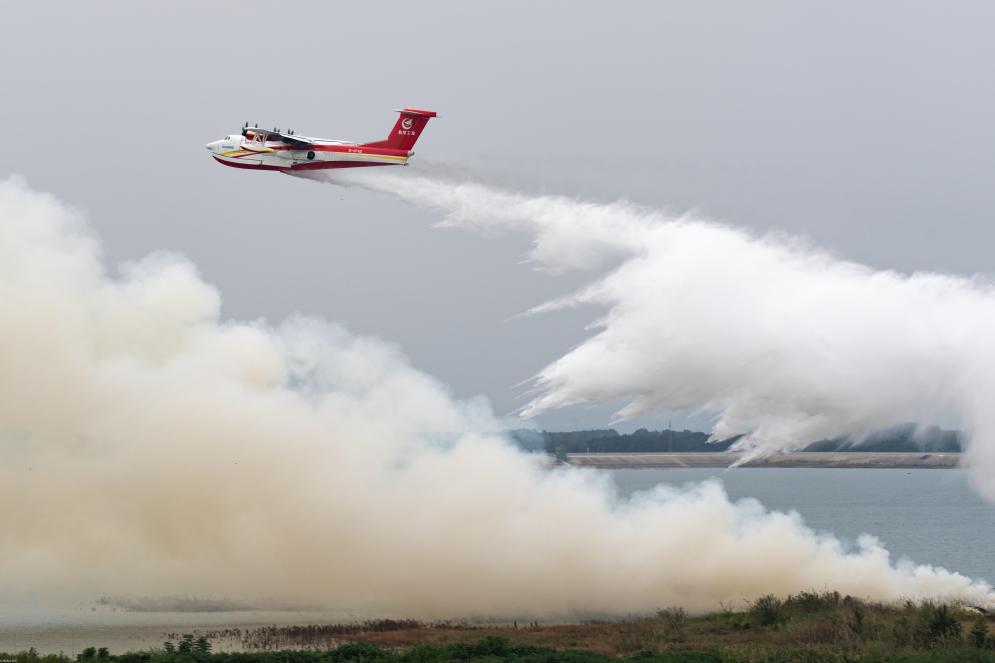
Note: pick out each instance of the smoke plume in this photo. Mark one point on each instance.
(784, 343)
(153, 448)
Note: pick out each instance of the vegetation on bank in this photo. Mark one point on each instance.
(907, 438)
(805, 628)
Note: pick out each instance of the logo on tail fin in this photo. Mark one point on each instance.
(405, 131)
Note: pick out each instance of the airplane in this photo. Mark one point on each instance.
(287, 151)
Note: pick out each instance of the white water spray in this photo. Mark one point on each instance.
(783, 342)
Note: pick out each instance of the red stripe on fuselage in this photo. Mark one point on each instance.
(250, 166)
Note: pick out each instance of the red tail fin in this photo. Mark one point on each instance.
(409, 126)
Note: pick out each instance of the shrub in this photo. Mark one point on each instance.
(186, 644)
(673, 622)
(632, 641)
(901, 631)
(935, 624)
(492, 645)
(979, 632)
(857, 621)
(358, 651)
(767, 610)
(812, 602)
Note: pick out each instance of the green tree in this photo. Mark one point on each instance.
(87, 654)
(169, 647)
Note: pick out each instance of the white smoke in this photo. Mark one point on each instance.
(152, 448)
(783, 342)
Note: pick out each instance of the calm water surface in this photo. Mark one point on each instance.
(930, 516)
(71, 630)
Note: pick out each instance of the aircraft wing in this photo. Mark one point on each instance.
(290, 139)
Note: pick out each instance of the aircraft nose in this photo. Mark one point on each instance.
(210, 146)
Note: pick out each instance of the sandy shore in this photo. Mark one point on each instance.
(792, 459)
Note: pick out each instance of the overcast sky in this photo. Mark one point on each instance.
(868, 127)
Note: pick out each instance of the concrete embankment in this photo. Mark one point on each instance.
(620, 461)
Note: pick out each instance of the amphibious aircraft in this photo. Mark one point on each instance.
(287, 151)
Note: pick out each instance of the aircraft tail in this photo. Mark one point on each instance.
(409, 126)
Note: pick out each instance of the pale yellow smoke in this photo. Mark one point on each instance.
(150, 447)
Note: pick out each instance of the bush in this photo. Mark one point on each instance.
(358, 651)
(901, 631)
(186, 644)
(812, 602)
(768, 610)
(979, 632)
(202, 645)
(858, 620)
(492, 645)
(673, 622)
(935, 624)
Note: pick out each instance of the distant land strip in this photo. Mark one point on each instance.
(846, 459)
(904, 439)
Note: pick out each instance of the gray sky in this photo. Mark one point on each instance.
(868, 127)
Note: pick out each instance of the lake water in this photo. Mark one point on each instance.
(929, 516)
(70, 630)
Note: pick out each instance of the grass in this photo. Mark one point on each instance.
(805, 628)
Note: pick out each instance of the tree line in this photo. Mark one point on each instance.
(907, 438)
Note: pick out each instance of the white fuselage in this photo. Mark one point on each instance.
(255, 151)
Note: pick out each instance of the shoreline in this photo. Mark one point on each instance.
(763, 629)
(795, 459)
